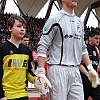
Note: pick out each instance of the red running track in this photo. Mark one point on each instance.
(37, 98)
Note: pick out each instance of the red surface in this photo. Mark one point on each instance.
(42, 98)
(37, 98)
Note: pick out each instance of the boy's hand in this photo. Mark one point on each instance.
(41, 81)
(4, 98)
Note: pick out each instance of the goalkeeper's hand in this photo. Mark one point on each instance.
(41, 81)
(93, 76)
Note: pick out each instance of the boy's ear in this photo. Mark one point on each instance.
(9, 28)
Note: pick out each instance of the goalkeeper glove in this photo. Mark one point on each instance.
(93, 76)
(41, 80)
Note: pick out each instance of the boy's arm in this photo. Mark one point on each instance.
(1, 74)
(31, 77)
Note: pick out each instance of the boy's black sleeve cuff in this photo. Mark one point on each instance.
(2, 95)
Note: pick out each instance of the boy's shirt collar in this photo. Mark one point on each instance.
(15, 44)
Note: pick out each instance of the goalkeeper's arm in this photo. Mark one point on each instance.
(41, 71)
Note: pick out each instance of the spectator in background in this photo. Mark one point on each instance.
(25, 40)
(0, 38)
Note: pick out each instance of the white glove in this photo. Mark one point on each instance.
(41, 80)
(93, 76)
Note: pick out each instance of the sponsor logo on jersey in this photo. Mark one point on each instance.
(94, 63)
(78, 29)
(17, 63)
(68, 36)
(11, 52)
(76, 36)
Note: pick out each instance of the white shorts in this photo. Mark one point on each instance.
(66, 83)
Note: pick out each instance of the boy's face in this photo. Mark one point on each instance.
(18, 30)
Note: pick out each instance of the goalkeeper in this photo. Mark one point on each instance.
(63, 37)
(90, 82)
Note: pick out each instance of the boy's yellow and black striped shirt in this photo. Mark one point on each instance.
(15, 69)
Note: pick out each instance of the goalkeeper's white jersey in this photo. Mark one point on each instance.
(63, 36)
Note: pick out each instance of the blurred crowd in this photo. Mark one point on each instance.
(33, 29)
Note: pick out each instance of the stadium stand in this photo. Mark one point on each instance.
(34, 29)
